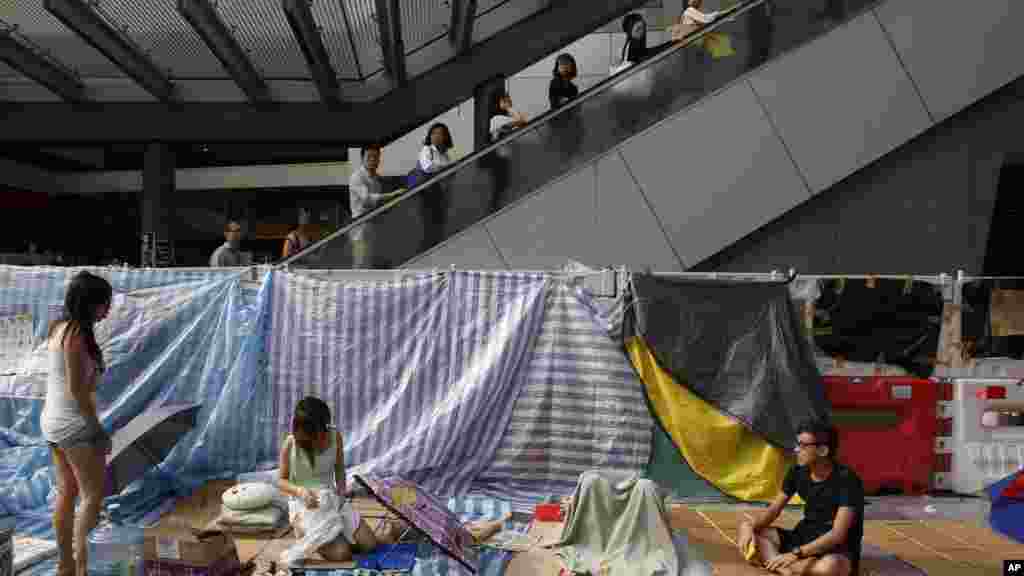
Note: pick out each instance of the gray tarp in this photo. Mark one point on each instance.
(736, 345)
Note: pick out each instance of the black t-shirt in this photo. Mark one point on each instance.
(843, 488)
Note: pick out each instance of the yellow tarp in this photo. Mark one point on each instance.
(718, 447)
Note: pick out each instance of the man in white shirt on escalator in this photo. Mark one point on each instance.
(365, 193)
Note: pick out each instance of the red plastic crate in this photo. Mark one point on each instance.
(900, 456)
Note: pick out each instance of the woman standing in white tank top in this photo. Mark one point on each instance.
(69, 421)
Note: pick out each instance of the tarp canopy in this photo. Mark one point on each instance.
(507, 381)
(736, 345)
(170, 338)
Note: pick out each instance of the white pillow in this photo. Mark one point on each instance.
(266, 477)
(250, 496)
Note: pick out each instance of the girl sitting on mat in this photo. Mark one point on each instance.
(313, 459)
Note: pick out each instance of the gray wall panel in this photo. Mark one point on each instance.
(631, 233)
(956, 53)
(924, 208)
(841, 101)
(547, 229)
(472, 250)
(714, 172)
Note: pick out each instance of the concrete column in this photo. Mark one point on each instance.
(156, 203)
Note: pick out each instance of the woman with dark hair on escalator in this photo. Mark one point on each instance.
(434, 157)
(635, 49)
(561, 89)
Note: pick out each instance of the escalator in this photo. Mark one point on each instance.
(599, 127)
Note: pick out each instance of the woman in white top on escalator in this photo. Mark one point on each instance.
(434, 155)
(69, 422)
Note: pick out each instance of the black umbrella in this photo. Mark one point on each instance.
(145, 441)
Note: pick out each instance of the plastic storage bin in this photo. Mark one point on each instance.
(987, 431)
(898, 452)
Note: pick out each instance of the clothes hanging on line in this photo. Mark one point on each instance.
(885, 321)
(993, 318)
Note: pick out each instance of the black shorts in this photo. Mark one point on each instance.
(804, 533)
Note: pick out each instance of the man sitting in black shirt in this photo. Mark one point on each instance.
(827, 541)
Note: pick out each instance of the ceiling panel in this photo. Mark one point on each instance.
(261, 28)
(162, 33)
(7, 72)
(49, 35)
(424, 21)
(332, 17)
(362, 16)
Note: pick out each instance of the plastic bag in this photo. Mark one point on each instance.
(322, 525)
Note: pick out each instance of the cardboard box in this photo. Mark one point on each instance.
(184, 553)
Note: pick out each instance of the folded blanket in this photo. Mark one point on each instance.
(269, 516)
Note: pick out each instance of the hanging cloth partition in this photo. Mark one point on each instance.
(716, 446)
(728, 375)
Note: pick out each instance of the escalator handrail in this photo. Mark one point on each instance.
(723, 18)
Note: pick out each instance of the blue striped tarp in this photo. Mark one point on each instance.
(38, 291)
(421, 372)
(198, 339)
(582, 405)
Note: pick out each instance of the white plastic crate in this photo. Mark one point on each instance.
(983, 453)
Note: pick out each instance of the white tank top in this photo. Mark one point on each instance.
(304, 475)
(61, 418)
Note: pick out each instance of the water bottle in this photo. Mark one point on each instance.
(115, 549)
